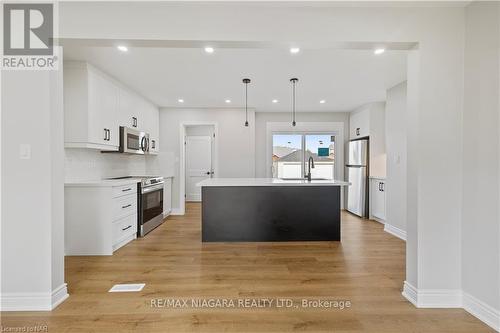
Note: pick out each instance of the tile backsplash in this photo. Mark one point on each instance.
(89, 164)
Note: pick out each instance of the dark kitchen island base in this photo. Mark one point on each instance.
(270, 213)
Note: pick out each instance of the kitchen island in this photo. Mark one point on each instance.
(270, 210)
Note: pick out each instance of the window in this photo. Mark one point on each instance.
(291, 153)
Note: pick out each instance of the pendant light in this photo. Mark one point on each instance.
(294, 82)
(246, 82)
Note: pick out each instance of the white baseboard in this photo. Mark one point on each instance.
(34, 301)
(59, 295)
(482, 311)
(410, 293)
(432, 298)
(176, 211)
(449, 298)
(399, 233)
(376, 219)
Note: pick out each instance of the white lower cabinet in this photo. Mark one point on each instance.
(377, 198)
(99, 219)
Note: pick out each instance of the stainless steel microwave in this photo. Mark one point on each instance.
(133, 141)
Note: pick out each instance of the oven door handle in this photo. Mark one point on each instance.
(152, 188)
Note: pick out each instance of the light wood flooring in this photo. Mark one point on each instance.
(367, 268)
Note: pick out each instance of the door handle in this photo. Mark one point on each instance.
(208, 172)
(127, 206)
(109, 134)
(105, 134)
(123, 229)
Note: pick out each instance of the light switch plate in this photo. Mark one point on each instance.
(25, 151)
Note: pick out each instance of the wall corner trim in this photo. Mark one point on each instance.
(34, 301)
(399, 233)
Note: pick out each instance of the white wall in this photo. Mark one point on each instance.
(32, 263)
(262, 118)
(395, 137)
(481, 177)
(235, 142)
(89, 164)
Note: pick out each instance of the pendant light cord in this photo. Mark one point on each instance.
(246, 82)
(294, 81)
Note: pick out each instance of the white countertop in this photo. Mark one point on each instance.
(378, 177)
(106, 182)
(103, 182)
(268, 182)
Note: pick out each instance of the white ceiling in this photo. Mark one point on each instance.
(345, 79)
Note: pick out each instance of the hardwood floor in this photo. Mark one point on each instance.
(367, 269)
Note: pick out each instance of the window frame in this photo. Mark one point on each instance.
(303, 135)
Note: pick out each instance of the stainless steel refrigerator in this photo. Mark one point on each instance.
(357, 175)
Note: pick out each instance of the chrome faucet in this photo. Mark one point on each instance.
(310, 163)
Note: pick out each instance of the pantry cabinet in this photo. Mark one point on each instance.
(96, 105)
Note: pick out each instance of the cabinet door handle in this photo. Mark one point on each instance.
(126, 189)
(357, 131)
(153, 144)
(105, 134)
(380, 187)
(127, 206)
(123, 229)
(109, 134)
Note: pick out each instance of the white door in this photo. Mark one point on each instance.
(198, 164)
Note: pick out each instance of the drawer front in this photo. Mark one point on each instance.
(119, 191)
(124, 228)
(124, 206)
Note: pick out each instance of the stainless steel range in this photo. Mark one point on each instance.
(149, 203)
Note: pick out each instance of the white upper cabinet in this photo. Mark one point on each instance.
(151, 123)
(129, 109)
(369, 121)
(90, 108)
(96, 105)
(138, 113)
(359, 124)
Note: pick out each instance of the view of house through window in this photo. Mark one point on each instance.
(291, 153)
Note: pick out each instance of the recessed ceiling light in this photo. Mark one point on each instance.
(294, 50)
(180, 100)
(209, 49)
(379, 51)
(322, 101)
(275, 101)
(228, 101)
(122, 48)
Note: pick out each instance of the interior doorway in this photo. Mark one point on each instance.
(199, 155)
